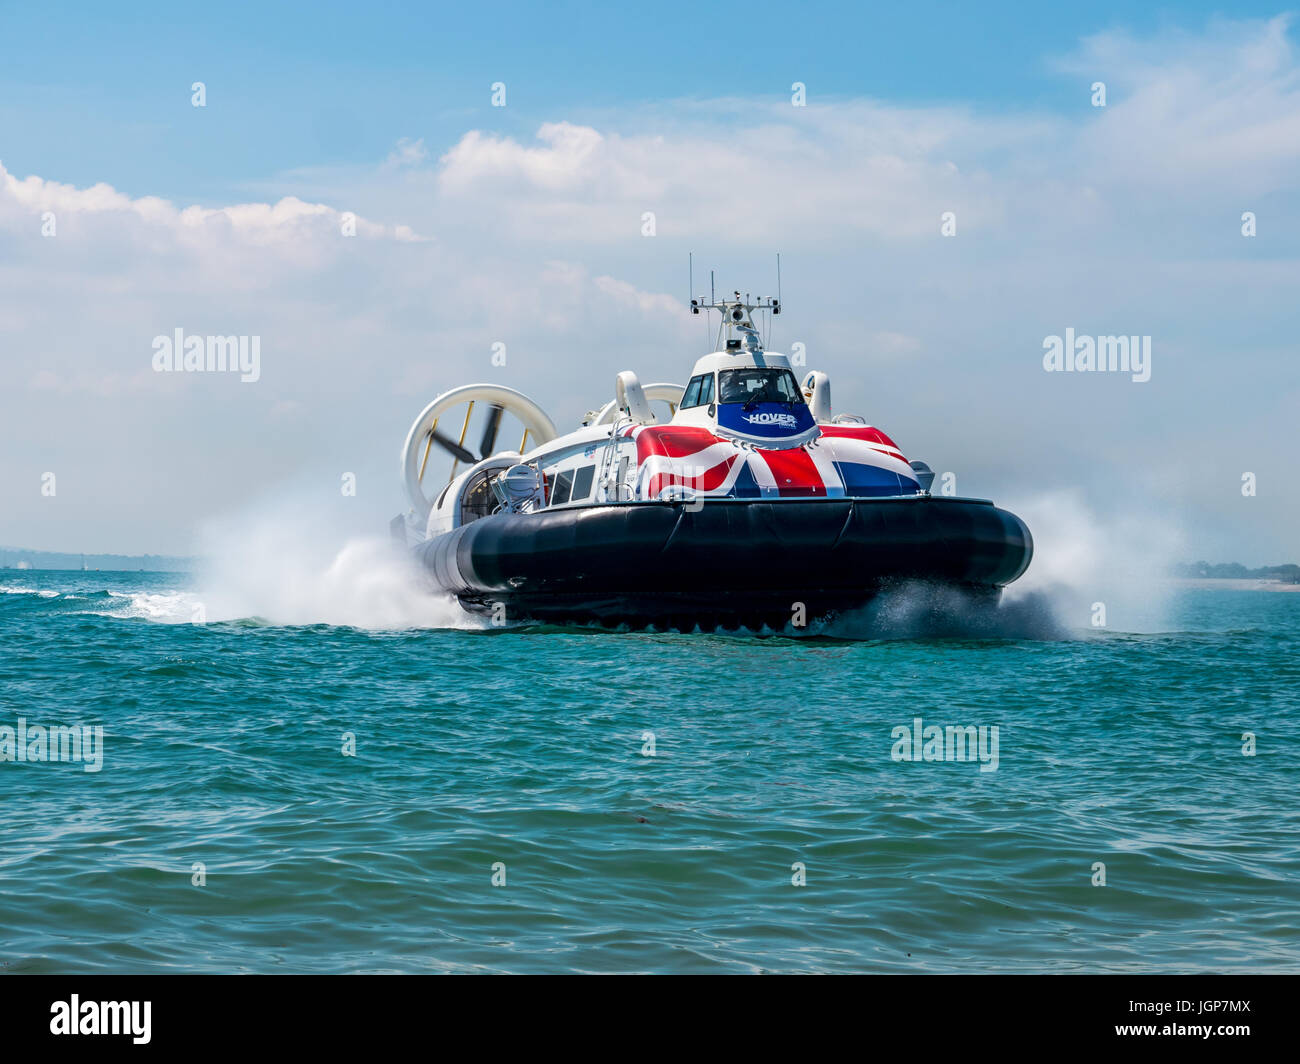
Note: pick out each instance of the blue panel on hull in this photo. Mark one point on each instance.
(768, 421)
(746, 487)
(869, 482)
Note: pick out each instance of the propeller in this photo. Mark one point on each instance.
(489, 442)
(486, 445)
(461, 454)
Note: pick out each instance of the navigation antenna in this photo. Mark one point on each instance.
(738, 311)
(738, 315)
(778, 298)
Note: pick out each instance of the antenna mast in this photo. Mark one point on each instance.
(737, 313)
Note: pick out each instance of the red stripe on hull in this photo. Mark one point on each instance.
(673, 442)
(865, 433)
(795, 474)
(708, 481)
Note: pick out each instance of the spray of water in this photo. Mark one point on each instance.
(1090, 574)
(1101, 572)
(914, 610)
(283, 565)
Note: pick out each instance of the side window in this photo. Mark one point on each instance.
(563, 485)
(706, 391)
(582, 483)
(692, 396)
(477, 500)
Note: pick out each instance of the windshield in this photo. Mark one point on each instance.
(758, 386)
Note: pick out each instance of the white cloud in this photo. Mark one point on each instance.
(763, 180)
(289, 220)
(571, 153)
(407, 152)
(1187, 117)
(1189, 112)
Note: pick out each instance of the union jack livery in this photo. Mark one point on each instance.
(841, 462)
(738, 498)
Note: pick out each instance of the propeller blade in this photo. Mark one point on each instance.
(488, 444)
(461, 454)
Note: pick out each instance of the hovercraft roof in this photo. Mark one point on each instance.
(743, 359)
(743, 350)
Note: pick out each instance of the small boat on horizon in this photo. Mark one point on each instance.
(737, 499)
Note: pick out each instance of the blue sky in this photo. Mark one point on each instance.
(523, 225)
(98, 93)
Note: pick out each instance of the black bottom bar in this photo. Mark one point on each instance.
(1244, 1015)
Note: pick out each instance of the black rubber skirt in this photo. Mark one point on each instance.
(730, 562)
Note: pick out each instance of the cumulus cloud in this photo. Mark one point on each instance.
(568, 159)
(1187, 117)
(772, 177)
(289, 221)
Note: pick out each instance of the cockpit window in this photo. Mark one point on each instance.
(758, 386)
(692, 396)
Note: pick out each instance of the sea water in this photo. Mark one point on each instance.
(346, 775)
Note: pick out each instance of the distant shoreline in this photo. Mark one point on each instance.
(1227, 583)
(16, 559)
(1229, 576)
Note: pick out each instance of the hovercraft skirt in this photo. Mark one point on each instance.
(729, 561)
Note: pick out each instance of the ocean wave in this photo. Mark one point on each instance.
(9, 589)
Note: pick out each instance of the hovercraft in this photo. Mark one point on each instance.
(738, 499)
